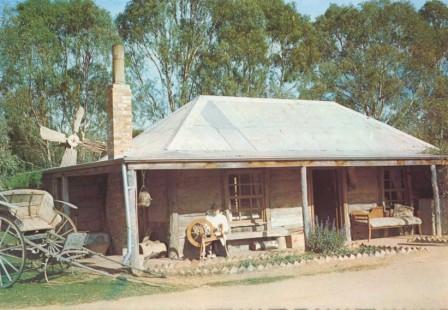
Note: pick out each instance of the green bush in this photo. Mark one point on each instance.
(31, 179)
(326, 239)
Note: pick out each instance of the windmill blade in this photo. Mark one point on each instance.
(78, 118)
(94, 146)
(69, 157)
(52, 135)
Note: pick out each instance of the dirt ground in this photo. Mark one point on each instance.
(412, 281)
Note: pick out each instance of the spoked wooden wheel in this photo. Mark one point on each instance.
(200, 230)
(12, 253)
(66, 226)
(55, 245)
(56, 238)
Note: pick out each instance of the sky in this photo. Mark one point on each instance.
(312, 8)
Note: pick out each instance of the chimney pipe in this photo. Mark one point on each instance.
(118, 64)
(119, 108)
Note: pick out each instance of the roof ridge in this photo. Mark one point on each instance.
(160, 122)
(264, 99)
(192, 103)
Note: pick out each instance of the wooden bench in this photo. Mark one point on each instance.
(378, 218)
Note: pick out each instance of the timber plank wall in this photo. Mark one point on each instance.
(197, 190)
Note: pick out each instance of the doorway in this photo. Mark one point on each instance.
(326, 197)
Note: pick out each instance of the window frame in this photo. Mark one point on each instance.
(261, 197)
(401, 193)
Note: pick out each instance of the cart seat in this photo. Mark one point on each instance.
(32, 224)
(35, 209)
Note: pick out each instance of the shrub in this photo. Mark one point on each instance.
(326, 239)
(31, 179)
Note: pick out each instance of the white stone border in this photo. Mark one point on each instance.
(236, 268)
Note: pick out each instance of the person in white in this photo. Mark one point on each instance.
(222, 229)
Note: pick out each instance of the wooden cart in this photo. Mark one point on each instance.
(32, 228)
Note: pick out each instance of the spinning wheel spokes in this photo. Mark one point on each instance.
(12, 253)
(197, 232)
(200, 231)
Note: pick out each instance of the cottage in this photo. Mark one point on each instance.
(275, 164)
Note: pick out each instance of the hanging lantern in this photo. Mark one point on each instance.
(144, 198)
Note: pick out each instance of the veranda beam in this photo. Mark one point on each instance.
(166, 164)
(435, 189)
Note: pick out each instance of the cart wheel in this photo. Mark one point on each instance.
(53, 267)
(12, 253)
(200, 229)
(66, 226)
(56, 239)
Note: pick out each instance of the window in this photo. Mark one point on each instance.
(246, 195)
(395, 190)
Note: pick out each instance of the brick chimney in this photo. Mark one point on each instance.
(119, 108)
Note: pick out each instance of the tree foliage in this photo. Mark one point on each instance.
(9, 163)
(431, 55)
(383, 58)
(54, 58)
(366, 63)
(179, 49)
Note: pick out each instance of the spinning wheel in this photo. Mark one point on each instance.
(200, 234)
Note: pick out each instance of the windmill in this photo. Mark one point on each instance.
(72, 141)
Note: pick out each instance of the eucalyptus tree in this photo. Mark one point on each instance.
(293, 48)
(366, 61)
(54, 58)
(235, 61)
(430, 54)
(180, 49)
(9, 163)
(164, 39)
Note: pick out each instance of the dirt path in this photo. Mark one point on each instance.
(412, 281)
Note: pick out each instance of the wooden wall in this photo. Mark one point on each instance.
(89, 194)
(285, 198)
(155, 219)
(190, 193)
(115, 212)
(365, 184)
(100, 200)
(196, 191)
(362, 185)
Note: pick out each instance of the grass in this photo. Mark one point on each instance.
(72, 289)
(251, 281)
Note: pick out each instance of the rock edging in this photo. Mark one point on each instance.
(280, 260)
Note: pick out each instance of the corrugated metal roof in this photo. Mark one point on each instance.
(214, 127)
